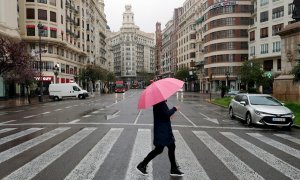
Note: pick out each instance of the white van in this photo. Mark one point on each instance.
(59, 91)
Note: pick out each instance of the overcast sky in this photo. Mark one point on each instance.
(146, 12)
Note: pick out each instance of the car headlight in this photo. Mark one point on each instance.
(290, 115)
(258, 112)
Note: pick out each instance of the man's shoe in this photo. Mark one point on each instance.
(176, 172)
(142, 169)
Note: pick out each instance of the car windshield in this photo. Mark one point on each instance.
(264, 100)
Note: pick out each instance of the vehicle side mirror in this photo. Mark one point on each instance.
(282, 103)
(243, 103)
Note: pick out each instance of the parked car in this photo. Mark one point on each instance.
(232, 93)
(261, 109)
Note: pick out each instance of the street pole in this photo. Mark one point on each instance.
(40, 27)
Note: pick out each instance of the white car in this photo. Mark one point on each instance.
(232, 93)
(260, 109)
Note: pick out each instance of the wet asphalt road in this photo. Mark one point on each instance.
(104, 137)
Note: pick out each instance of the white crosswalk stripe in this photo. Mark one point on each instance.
(90, 164)
(6, 130)
(5, 155)
(288, 137)
(31, 169)
(187, 160)
(289, 150)
(283, 167)
(235, 165)
(18, 135)
(141, 147)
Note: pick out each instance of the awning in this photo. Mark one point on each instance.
(53, 29)
(30, 26)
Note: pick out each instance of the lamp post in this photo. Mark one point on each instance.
(227, 77)
(210, 84)
(56, 71)
(40, 31)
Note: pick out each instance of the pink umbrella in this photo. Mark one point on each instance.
(159, 91)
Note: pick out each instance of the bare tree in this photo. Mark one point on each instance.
(16, 64)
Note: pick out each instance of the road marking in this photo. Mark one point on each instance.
(68, 107)
(95, 112)
(281, 166)
(5, 155)
(74, 121)
(90, 164)
(131, 124)
(137, 117)
(6, 130)
(288, 137)
(142, 146)
(289, 150)
(32, 168)
(234, 164)
(188, 119)
(57, 109)
(46, 113)
(108, 117)
(187, 160)
(210, 119)
(21, 110)
(86, 116)
(6, 122)
(204, 116)
(29, 116)
(111, 105)
(18, 135)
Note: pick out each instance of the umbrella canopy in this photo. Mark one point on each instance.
(159, 91)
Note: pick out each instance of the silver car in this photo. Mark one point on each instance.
(260, 109)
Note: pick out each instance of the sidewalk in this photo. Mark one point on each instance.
(23, 101)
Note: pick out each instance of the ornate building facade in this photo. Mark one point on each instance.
(132, 49)
(71, 34)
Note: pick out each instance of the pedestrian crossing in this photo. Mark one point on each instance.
(227, 147)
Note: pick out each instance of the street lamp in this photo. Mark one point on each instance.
(210, 84)
(56, 71)
(227, 77)
(40, 31)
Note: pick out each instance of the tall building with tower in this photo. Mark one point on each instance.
(132, 50)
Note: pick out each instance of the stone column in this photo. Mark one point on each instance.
(283, 87)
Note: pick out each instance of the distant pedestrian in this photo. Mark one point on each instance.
(163, 136)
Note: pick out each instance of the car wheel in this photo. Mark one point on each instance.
(248, 119)
(231, 115)
(56, 98)
(80, 96)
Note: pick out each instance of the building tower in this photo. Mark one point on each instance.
(225, 32)
(132, 49)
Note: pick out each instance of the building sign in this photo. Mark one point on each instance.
(220, 3)
(44, 78)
